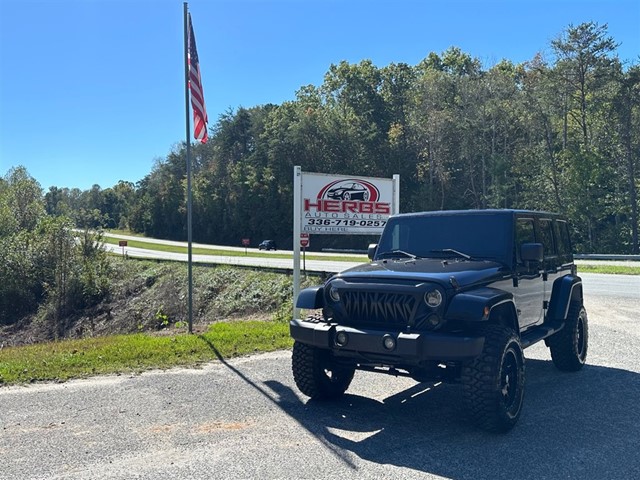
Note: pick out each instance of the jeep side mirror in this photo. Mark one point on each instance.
(531, 252)
(372, 250)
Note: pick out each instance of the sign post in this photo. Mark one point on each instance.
(304, 243)
(245, 243)
(297, 212)
(122, 243)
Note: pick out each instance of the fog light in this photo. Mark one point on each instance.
(434, 320)
(342, 339)
(334, 294)
(388, 342)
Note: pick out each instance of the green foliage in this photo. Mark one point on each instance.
(561, 135)
(41, 264)
(162, 318)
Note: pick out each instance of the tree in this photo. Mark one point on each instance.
(23, 198)
(583, 61)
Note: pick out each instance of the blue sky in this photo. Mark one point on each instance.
(92, 91)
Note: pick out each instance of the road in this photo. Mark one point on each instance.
(323, 266)
(238, 260)
(244, 418)
(270, 261)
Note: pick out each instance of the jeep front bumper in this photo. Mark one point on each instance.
(413, 347)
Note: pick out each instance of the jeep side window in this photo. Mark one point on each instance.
(524, 234)
(563, 241)
(546, 235)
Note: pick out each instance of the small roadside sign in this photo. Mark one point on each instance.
(122, 243)
(304, 240)
(245, 243)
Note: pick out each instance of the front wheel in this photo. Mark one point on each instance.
(569, 345)
(316, 375)
(493, 383)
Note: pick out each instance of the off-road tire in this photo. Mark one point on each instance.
(569, 346)
(493, 383)
(315, 372)
(316, 375)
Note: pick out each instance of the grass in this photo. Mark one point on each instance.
(124, 232)
(67, 359)
(609, 269)
(150, 245)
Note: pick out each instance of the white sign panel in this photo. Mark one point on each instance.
(337, 204)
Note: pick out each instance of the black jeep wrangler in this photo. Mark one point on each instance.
(452, 296)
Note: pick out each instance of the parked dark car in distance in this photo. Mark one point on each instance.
(267, 245)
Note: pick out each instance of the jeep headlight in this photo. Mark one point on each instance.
(334, 294)
(433, 298)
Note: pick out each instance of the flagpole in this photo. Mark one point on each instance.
(186, 102)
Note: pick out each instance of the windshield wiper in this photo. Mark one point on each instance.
(455, 252)
(395, 253)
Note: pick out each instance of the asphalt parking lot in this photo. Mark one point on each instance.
(245, 419)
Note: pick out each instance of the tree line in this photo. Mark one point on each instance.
(559, 134)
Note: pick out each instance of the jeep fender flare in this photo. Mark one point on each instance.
(477, 305)
(565, 290)
(311, 298)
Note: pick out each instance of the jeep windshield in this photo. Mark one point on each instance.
(476, 235)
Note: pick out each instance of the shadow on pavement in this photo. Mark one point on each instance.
(584, 425)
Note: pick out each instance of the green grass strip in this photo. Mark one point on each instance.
(610, 269)
(67, 359)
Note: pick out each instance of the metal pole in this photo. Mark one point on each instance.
(186, 100)
(396, 194)
(297, 211)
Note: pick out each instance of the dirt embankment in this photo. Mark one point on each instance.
(146, 296)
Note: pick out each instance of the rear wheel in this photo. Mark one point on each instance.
(569, 345)
(493, 384)
(317, 375)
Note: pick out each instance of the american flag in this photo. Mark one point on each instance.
(197, 94)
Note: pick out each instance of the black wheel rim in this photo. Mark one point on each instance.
(510, 381)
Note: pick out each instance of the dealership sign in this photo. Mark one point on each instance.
(346, 205)
(338, 205)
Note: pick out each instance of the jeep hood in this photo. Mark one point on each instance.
(465, 272)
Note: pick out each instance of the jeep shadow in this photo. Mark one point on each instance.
(587, 431)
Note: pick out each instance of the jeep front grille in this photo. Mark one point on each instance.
(378, 307)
